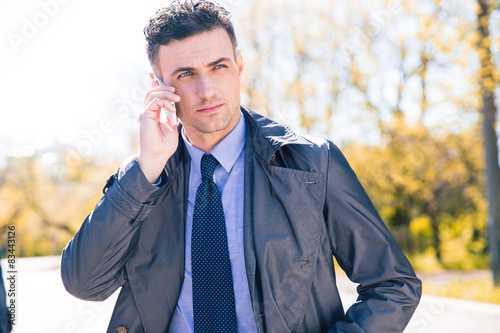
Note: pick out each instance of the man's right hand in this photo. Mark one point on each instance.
(157, 141)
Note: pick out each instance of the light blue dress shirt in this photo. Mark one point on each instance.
(229, 177)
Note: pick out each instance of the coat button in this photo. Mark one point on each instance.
(121, 329)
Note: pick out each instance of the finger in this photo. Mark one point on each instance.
(154, 84)
(162, 87)
(170, 107)
(156, 104)
(163, 94)
(153, 105)
(162, 99)
(156, 91)
(148, 115)
(170, 124)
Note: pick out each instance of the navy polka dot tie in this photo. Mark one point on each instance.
(213, 294)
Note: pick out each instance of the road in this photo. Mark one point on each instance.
(43, 306)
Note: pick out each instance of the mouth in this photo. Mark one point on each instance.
(210, 108)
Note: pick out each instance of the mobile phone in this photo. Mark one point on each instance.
(172, 116)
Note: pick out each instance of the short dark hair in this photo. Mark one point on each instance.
(183, 19)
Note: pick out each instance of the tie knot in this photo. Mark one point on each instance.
(208, 165)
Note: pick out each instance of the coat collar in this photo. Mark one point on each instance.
(268, 136)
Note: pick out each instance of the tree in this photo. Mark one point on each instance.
(428, 189)
(46, 197)
(488, 81)
(356, 69)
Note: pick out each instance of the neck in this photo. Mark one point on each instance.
(205, 141)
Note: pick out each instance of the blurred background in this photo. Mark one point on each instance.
(408, 89)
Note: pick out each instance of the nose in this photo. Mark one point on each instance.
(205, 87)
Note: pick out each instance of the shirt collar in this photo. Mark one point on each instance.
(226, 151)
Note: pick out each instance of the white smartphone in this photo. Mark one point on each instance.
(172, 116)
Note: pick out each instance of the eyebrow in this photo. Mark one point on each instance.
(189, 69)
(222, 59)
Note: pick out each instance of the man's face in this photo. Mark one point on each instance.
(207, 78)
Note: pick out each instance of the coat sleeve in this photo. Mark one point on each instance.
(388, 289)
(92, 264)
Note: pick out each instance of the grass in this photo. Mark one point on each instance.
(462, 278)
(473, 286)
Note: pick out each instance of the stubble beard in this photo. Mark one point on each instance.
(218, 121)
(219, 125)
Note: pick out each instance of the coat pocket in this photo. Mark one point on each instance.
(287, 217)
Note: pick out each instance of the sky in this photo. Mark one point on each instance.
(65, 66)
(75, 72)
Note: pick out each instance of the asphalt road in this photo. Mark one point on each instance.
(43, 306)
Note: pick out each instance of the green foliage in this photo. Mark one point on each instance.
(429, 190)
(48, 202)
(397, 84)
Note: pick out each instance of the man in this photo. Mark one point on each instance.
(229, 221)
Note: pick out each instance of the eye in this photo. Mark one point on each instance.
(185, 74)
(220, 66)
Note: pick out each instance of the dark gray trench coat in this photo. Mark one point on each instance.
(303, 205)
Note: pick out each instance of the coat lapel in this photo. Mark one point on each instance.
(156, 271)
(282, 236)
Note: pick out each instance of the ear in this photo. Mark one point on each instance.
(240, 65)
